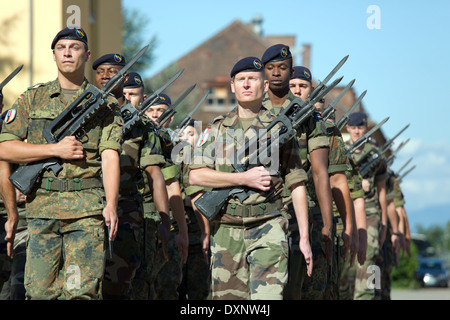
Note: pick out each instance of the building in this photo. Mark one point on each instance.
(29, 26)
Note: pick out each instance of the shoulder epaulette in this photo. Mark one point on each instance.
(40, 84)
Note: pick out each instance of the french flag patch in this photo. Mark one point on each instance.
(10, 116)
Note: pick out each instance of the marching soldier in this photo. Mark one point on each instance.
(141, 154)
(314, 149)
(242, 233)
(66, 246)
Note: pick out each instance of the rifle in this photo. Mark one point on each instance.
(131, 115)
(400, 179)
(298, 111)
(388, 143)
(391, 158)
(70, 122)
(404, 166)
(184, 123)
(370, 161)
(346, 117)
(8, 79)
(330, 109)
(322, 84)
(166, 115)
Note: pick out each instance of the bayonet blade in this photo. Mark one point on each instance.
(343, 121)
(404, 166)
(366, 136)
(12, 75)
(166, 114)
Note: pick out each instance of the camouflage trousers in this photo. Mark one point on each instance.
(364, 288)
(196, 277)
(4, 259)
(334, 271)
(166, 276)
(13, 288)
(250, 262)
(386, 263)
(127, 252)
(65, 258)
(347, 278)
(296, 267)
(142, 279)
(314, 287)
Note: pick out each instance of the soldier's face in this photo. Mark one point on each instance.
(249, 87)
(356, 132)
(134, 95)
(104, 73)
(70, 56)
(189, 135)
(155, 111)
(300, 88)
(278, 73)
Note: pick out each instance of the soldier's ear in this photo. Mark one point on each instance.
(266, 86)
(88, 55)
(232, 85)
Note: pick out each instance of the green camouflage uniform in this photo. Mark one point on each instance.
(373, 215)
(311, 136)
(347, 273)
(13, 270)
(66, 227)
(141, 148)
(196, 277)
(159, 279)
(249, 248)
(338, 162)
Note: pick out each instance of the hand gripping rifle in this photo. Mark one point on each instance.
(8, 79)
(298, 111)
(71, 122)
(131, 116)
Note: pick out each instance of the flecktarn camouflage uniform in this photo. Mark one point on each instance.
(66, 246)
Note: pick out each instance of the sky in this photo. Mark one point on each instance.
(398, 51)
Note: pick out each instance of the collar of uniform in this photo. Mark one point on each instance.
(264, 116)
(55, 88)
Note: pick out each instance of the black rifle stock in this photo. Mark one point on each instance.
(71, 122)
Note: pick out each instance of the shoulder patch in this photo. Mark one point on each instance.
(204, 137)
(317, 115)
(10, 116)
(222, 117)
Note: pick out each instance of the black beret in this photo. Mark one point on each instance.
(301, 72)
(357, 119)
(163, 99)
(247, 64)
(134, 81)
(71, 33)
(115, 59)
(278, 52)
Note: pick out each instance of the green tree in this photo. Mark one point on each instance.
(404, 275)
(134, 39)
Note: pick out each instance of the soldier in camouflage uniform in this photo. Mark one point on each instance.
(249, 248)
(314, 148)
(166, 271)
(12, 210)
(196, 278)
(141, 154)
(66, 214)
(394, 238)
(375, 206)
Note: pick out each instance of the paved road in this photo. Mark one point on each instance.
(421, 294)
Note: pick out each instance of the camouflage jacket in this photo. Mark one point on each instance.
(226, 137)
(35, 109)
(141, 148)
(380, 174)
